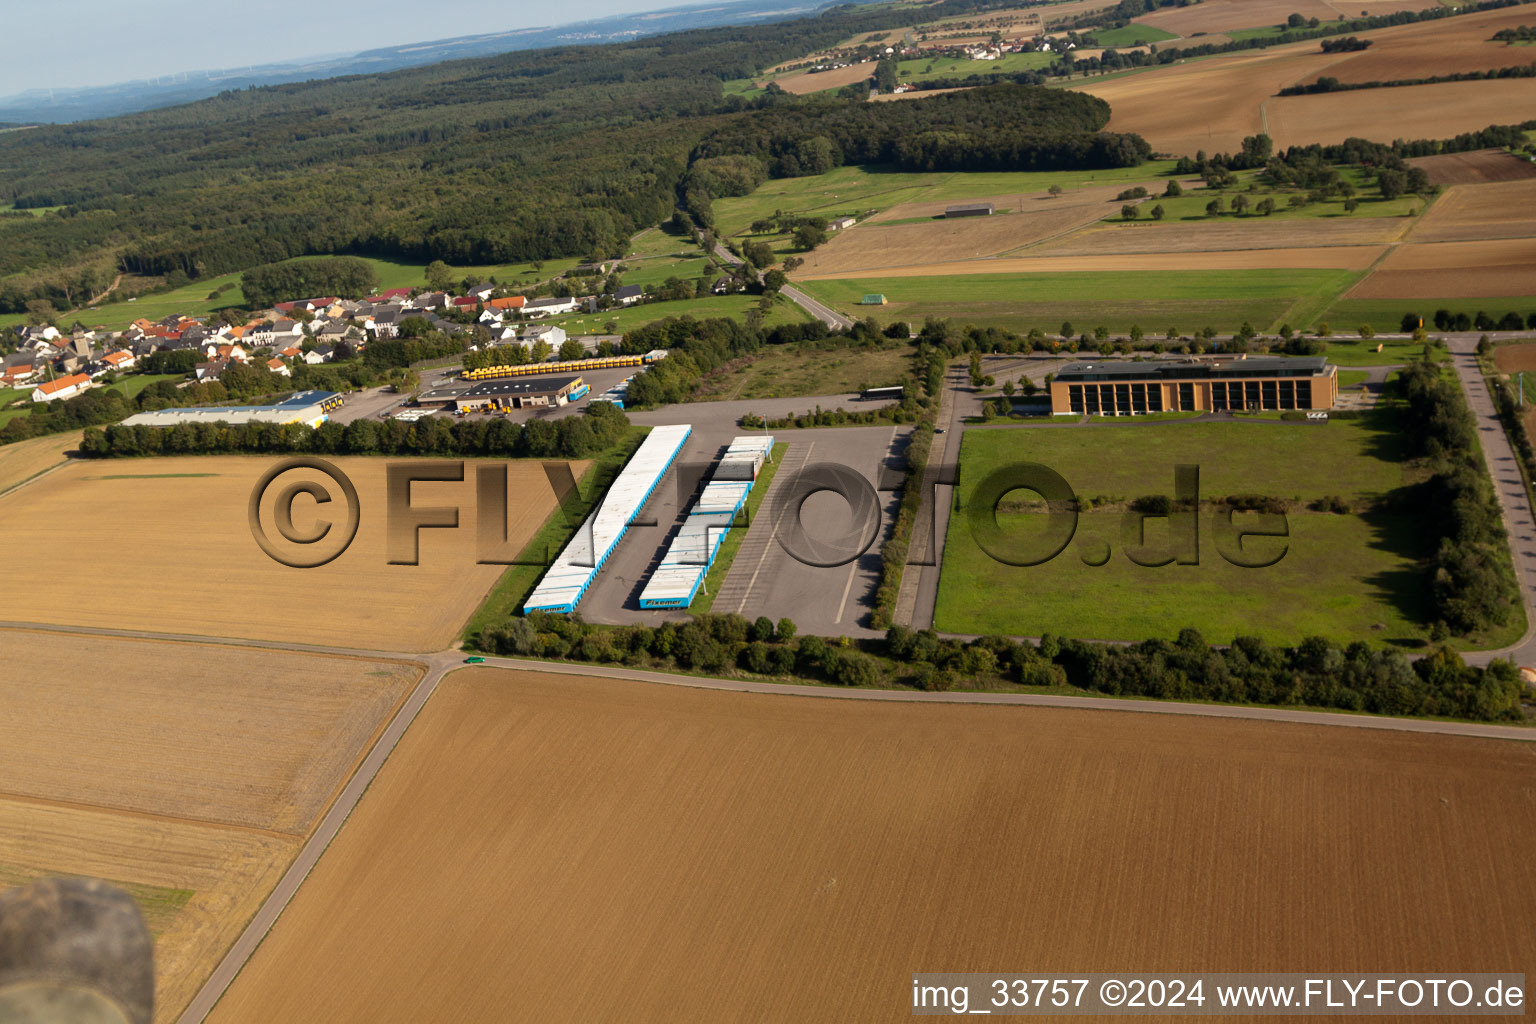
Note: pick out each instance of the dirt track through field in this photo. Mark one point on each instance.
(188, 772)
(601, 850)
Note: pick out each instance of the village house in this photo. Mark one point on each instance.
(279, 367)
(550, 333)
(628, 295)
(549, 307)
(64, 387)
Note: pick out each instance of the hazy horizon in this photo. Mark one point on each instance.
(81, 43)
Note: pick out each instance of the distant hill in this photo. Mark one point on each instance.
(87, 103)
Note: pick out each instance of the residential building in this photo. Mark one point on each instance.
(550, 333)
(64, 387)
(549, 307)
(628, 295)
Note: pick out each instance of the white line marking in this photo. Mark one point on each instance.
(769, 546)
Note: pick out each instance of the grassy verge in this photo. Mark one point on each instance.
(519, 580)
(733, 540)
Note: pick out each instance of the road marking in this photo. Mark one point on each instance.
(853, 568)
(774, 533)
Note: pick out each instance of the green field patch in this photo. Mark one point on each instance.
(922, 68)
(1151, 299)
(738, 535)
(853, 190)
(809, 368)
(1347, 577)
(1130, 35)
(158, 904)
(1387, 314)
(1363, 353)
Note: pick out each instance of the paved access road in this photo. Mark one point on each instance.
(1504, 468)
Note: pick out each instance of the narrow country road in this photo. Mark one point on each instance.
(821, 311)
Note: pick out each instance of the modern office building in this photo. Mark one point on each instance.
(1237, 383)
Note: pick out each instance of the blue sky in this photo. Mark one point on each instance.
(62, 43)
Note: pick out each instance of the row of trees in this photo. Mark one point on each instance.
(1471, 584)
(1313, 673)
(603, 426)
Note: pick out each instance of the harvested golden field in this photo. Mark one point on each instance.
(1227, 15)
(25, 459)
(1504, 209)
(1434, 111)
(1022, 220)
(1454, 270)
(188, 773)
(1447, 47)
(176, 554)
(1228, 235)
(1209, 104)
(602, 850)
(1337, 257)
(1477, 167)
(1213, 103)
(816, 81)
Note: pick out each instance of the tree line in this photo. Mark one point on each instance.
(1312, 673)
(602, 426)
(1328, 83)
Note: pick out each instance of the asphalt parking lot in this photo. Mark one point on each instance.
(765, 579)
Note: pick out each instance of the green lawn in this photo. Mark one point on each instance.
(1131, 35)
(811, 368)
(1155, 300)
(1346, 577)
(921, 68)
(733, 540)
(193, 300)
(132, 384)
(1387, 314)
(1349, 378)
(651, 272)
(853, 190)
(1354, 352)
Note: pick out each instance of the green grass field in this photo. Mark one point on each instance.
(1131, 35)
(1387, 314)
(1192, 206)
(808, 368)
(1155, 300)
(853, 190)
(922, 68)
(1354, 352)
(1346, 577)
(134, 383)
(733, 540)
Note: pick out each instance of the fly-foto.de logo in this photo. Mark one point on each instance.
(1257, 540)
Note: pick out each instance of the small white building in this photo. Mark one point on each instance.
(549, 307)
(64, 387)
(550, 333)
(842, 223)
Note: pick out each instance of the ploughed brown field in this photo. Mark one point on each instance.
(1227, 15)
(189, 774)
(1212, 104)
(1515, 358)
(1502, 209)
(1476, 167)
(172, 552)
(1481, 269)
(556, 848)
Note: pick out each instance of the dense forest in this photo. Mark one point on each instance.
(529, 155)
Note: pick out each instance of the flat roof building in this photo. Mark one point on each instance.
(517, 392)
(969, 210)
(310, 408)
(1236, 383)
